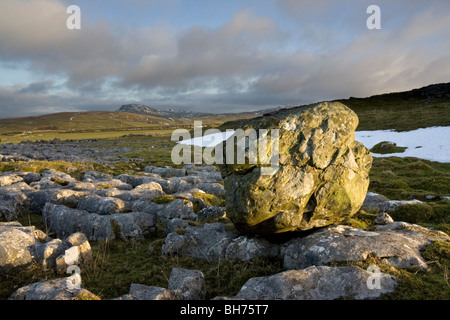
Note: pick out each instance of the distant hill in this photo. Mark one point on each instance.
(164, 112)
(419, 108)
(139, 109)
(408, 110)
(401, 111)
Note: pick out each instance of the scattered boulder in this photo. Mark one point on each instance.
(211, 212)
(79, 253)
(399, 248)
(49, 252)
(321, 179)
(12, 198)
(166, 171)
(374, 200)
(56, 289)
(206, 242)
(16, 248)
(126, 226)
(21, 246)
(36, 200)
(61, 178)
(245, 248)
(143, 292)
(101, 205)
(212, 188)
(317, 283)
(9, 178)
(187, 284)
(184, 284)
(172, 225)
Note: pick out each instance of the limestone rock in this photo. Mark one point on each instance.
(37, 199)
(244, 248)
(143, 292)
(16, 247)
(56, 289)
(166, 172)
(322, 178)
(206, 242)
(175, 224)
(126, 226)
(101, 205)
(12, 198)
(187, 284)
(50, 251)
(399, 248)
(374, 200)
(8, 178)
(211, 213)
(317, 283)
(74, 256)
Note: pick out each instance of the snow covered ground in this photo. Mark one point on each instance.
(428, 143)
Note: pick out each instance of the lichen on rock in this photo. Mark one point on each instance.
(322, 176)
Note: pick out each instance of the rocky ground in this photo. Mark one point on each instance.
(322, 182)
(57, 150)
(132, 207)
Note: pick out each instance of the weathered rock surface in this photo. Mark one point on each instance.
(374, 200)
(317, 283)
(16, 247)
(206, 242)
(56, 289)
(143, 292)
(79, 253)
(126, 226)
(211, 212)
(322, 178)
(187, 284)
(399, 248)
(101, 205)
(21, 246)
(9, 178)
(184, 284)
(245, 248)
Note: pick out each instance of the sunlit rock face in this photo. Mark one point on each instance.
(322, 174)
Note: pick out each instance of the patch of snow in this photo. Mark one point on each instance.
(209, 140)
(431, 143)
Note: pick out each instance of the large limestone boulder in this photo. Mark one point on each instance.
(322, 176)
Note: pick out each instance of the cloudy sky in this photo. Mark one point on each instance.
(214, 56)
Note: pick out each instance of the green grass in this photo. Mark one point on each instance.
(406, 178)
(400, 112)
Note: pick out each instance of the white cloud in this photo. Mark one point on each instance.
(251, 61)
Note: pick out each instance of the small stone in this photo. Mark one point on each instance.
(187, 284)
(383, 218)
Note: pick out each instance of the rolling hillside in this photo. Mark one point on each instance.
(403, 111)
(77, 125)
